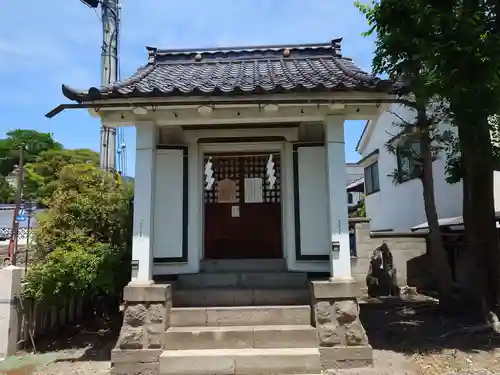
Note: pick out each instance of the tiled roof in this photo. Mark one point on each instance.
(240, 70)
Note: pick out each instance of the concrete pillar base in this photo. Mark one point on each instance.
(10, 289)
(145, 319)
(342, 340)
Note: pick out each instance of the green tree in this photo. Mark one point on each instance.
(418, 131)
(83, 239)
(418, 144)
(42, 175)
(467, 68)
(34, 143)
(458, 43)
(6, 191)
(454, 168)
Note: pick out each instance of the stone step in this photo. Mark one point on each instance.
(239, 297)
(372, 371)
(241, 315)
(240, 361)
(241, 337)
(244, 280)
(243, 265)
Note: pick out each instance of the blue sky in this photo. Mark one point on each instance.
(46, 43)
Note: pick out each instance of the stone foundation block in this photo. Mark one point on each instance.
(342, 340)
(145, 319)
(346, 357)
(335, 289)
(135, 356)
(147, 293)
(135, 369)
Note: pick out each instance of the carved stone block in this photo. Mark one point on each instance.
(131, 337)
(135, 315)
(157, 312)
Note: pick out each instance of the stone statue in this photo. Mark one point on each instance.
(381, 277)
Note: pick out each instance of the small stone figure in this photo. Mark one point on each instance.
(381, 277)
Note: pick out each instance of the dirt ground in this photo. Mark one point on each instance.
(409, 337)
(413, 335)
(79, 350)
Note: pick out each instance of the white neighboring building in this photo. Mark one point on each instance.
(399, 207)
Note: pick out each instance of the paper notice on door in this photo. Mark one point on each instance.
(235, 211)
(226, 191)
(253, 190)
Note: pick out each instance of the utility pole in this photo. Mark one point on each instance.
(13, 244)
(110, 15)
(109, 64)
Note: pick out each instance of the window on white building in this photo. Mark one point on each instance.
(372, 184)
(407, 157)
(349, 198)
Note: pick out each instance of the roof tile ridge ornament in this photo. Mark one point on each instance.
(151, 54)
(337, 47)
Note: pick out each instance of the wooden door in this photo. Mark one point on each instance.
(241, 220)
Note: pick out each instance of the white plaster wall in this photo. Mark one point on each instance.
(289, 218)
(400, 207)
(194, 196)
(168, 213)
(314, 228)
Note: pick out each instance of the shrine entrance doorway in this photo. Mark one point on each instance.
(242, 205)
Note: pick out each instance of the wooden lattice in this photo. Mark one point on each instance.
(222, 168)
(238, 168)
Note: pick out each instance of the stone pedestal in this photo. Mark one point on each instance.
(342, 339)
(145, 319)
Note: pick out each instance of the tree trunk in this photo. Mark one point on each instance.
(479, 211)
(441, 267)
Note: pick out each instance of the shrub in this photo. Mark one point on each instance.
(84, 238)
(75, 270)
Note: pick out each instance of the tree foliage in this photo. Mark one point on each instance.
(455, 47)
(6, 191)
(418, 138)
(83, 239)
(44, 159)
(42, 175)
(34, 143)
(73, 270)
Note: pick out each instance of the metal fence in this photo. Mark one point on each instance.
(6, 233)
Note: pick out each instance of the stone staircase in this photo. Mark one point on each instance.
(241, 282)
(243, 318)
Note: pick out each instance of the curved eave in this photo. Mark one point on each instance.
(381, 86)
